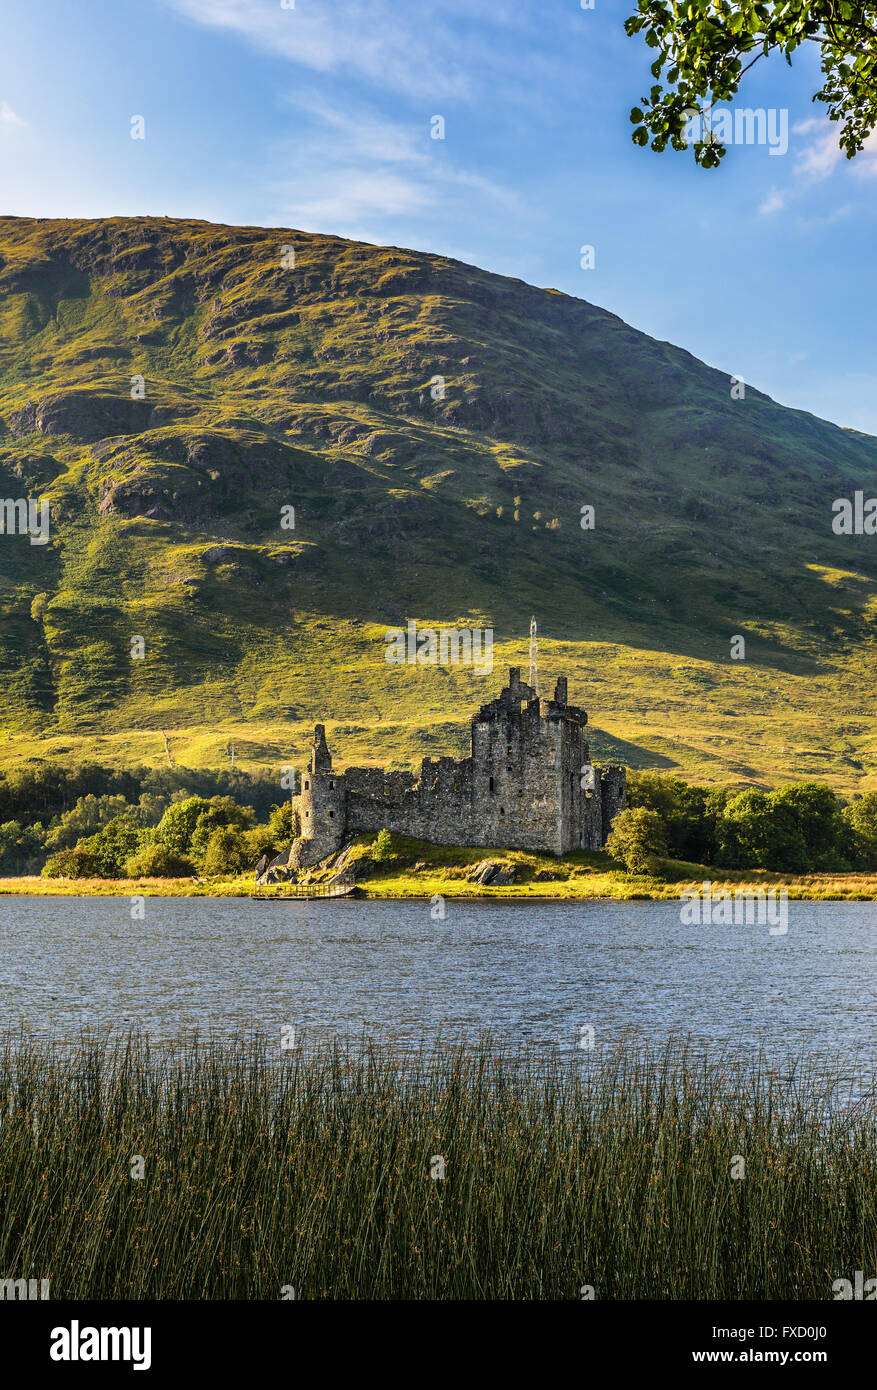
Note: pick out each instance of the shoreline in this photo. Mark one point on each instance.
(595, 887)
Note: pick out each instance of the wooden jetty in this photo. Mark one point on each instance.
(286, 891)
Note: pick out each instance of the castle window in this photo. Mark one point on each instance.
(510, 750)
(307, 784)
(502, 810)
(331, 814)
(331, 786)
(491, 784)
(307, 813)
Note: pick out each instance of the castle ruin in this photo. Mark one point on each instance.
(528, 784)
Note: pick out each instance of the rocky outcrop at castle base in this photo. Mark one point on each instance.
(528, 784)
(489, 872)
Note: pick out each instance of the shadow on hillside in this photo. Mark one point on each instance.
(606, 748)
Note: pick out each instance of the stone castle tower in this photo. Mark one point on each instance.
(528, 784)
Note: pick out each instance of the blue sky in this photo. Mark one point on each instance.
(318, 117)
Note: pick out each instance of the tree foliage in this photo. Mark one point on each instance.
(799, 828)
(89, 815)
(22, 848)
(638, 838)
(220, 813)
(226, 852)
(155, 860)
(705, 47)
(177, 826)
(103, 855)
(861, 821)
(382, 849)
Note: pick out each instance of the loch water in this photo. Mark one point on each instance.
(531, 973)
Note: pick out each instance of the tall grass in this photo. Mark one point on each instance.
(311, 1169)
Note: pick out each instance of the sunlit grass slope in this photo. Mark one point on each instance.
(437, 430)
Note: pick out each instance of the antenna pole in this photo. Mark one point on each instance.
(533, 680)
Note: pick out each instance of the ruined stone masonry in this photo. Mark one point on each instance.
(528, 784)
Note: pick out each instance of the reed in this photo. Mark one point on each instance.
(310, 1170)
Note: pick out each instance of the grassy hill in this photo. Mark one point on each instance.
(268, 385)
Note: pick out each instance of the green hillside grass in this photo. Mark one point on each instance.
(309, 387)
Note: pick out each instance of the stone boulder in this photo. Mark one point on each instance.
(489, 871)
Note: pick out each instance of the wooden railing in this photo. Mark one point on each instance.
(339, 888)
(318, 890)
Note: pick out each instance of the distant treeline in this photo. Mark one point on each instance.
(93, 821)
(99, 822)
(799, 828)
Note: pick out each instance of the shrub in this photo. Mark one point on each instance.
(155, 860)
(382, 849)
(22, 848)
(177, 825)
(226, 852)
(73, 863)
(637, 839)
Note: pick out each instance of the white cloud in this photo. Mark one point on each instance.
(339, 200)
(818, 221)
(350, 169)
(351, 172)
(774, 202)
(822, 153)
(435, 50)
(8, 118)
(818, 157)
(411, 54)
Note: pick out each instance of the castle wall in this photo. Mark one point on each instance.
(592, 813)
(613, 794)
(438, 806)
(322, 812)
(519, 761)
(521, 788)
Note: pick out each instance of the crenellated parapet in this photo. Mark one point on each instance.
(528, 784)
